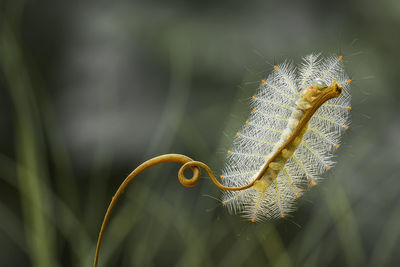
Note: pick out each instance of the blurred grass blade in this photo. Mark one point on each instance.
(34, 198)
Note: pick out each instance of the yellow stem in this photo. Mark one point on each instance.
(187, 163)
(334, 90)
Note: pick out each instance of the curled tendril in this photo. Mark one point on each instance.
(187, 182)
(198, 164)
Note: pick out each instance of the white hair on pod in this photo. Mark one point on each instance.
(276, 111)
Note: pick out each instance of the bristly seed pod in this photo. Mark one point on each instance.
(297, 119)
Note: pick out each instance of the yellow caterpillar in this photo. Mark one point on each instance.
(297, 119)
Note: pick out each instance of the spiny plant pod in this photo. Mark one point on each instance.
(297, 119)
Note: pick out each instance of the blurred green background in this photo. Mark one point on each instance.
(90, 89)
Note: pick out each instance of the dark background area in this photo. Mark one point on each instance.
(90, 89)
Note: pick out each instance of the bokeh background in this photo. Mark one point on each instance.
(90, 89)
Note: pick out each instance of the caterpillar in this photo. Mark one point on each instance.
(297, 119)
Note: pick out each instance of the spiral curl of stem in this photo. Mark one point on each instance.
(187, 182)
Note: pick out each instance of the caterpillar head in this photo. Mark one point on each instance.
(319, 84)
(319, 92)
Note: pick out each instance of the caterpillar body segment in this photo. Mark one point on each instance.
(297, 119)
